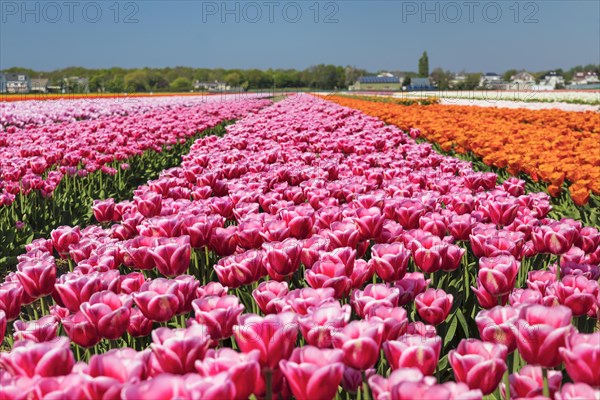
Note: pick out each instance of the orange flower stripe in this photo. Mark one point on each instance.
(553, 146)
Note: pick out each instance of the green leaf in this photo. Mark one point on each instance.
(463, 322)
(451, 330)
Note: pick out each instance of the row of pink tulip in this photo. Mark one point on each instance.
(344, 216)
(37, 158)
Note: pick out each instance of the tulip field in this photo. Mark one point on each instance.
(310, 247)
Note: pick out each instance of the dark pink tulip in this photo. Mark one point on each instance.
(581, 356)
(362, 273)
(242, 369)
(556, 238)
(486, 299)
(162, 227)
(452, 257)
(44, 329)
(542, 330)
(478, 364)
(528, 382)
(109, 313)
(501, 212)
(37, 277)
(3, 323)
(498, 274)
(73, 290)
(29, 359)
(11, 294)
(63, 237)
(139, 325)
(211, 289)
(274, 231)
(390, 261)
(408, 212)
(434, 305)
(158, 300)
(132, 282)
(394, 320)
(420, 390)
(173, 257)
(123, 365)
(218, 314)
(300, 221)
(268, 294)
(149, 204)
(222, 206)
(80, 330)
(342, 234)
(498, 325)
(578, 293)
(577, 391)
(524, 296)
(300, 300)
(311, 248)
(200, 228)
(588, 239)
(381, 387)
(514, 186)
(325, 216)
(360, 341)
(322, 322)
(176, 350)
(390, 232)
(410, 286)
(428, 253)
(369, 222)
(413, 351)
(313, 373)
(248, 234)
(165, 386)
(104, 210)
(240, 269)
(273, 335)
(539, 280)
(282, 259)
(331, 273)
(138, 252)
(435, 223)
(224, 240)
(351, 380)
(187, 289)
(373, 295)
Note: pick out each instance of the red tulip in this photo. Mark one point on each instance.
(37, 277)
(282, 259)
(498, 274)
(581, 356)
(158, 300)
(11, 294)
(413, 351)
(478, 364)
(542, 330)
(313, 373)
(360, 342)
(528, 382)
(29, 359)
(176, 350)
(109, 313)
(390, 261)
(498, 325)
(274, 335)
(434, 305)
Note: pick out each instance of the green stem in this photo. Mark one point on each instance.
(546, 390)
(506, 386)
(269, 384)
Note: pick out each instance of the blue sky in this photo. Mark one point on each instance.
(375, 35)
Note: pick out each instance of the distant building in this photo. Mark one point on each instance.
(490, 80)
(17, 83)
(384, 81)
(215, 86)
(39, 85)
(522, 79)
(75, 84)
(420, 84)
(2, 83)
(457, 79)
(552, 79)
(585, 78)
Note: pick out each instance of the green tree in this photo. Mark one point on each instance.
(181, 84)
(508, 74)
(441, 78)
(424, 65)
(406, 81)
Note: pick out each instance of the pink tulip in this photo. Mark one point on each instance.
(37, 277)
(73, 290)
(390, 261)
(374, 294)
(176, 350)
(577, 391)
(410, 286)
(218, 314)
(300, 221)
(311, 249)
(369, 222)
(224, 240)
(394, 320)
(313, 373)
(241, 269)
(11, 294)
(80, 330)
(528, 382)
(556, 238)
(165, 386)
(498, 274)
(282, 259)
(139, 325)
(44, 329)
(478, 364)
(360, 342)
(158, 300)
(498, 325)
(322, 322)
(486, 299)
(434, 305)
(408, 213)
(216, 387)
(578, 293)
(342, 234)
(382, 387)
(428, 253)
(3, 323)
(63, 237)
(104, 210)
(542, 330)
(109, 313)
(268, 294)
(29, 359)
(273, 335)
(301, 300)
(581, 356)
(123, 365)
(413, 351)
(148, 204)
(172, 258)
(501, 212)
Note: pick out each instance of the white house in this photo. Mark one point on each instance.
(522, 79)
(490, 79)
(552, 79)
(585, 78)
(17, 83)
